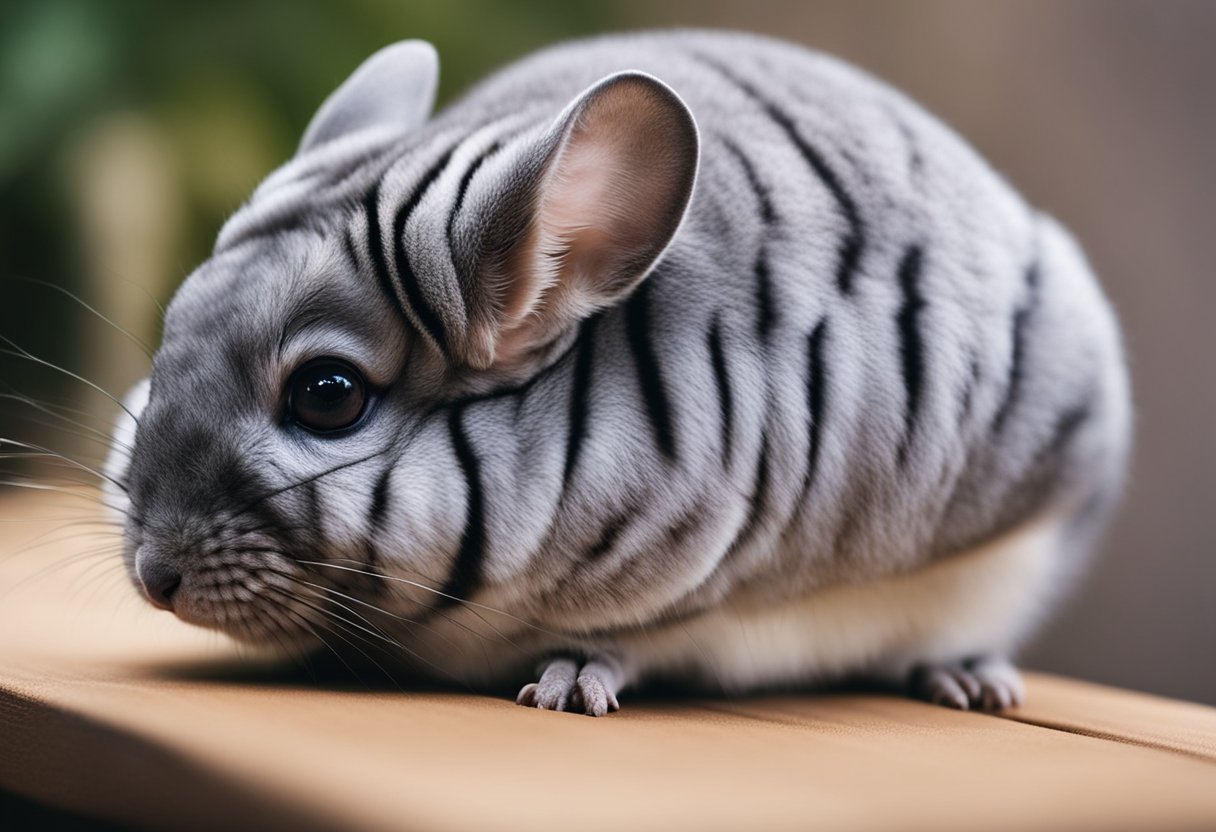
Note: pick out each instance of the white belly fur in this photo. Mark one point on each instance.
(982, 601)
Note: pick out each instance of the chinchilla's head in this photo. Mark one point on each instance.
(394, 266)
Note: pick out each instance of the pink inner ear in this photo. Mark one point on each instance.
(609, 202)
(575, 222)
(612, 195)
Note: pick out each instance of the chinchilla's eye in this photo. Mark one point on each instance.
(326, 394)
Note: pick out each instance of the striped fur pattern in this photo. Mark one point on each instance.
(823, 396)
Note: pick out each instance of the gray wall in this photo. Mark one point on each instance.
(1103, 114)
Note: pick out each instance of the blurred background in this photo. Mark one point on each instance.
(130, 128)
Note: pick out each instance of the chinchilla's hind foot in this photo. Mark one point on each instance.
(985, 683)
(567, 685)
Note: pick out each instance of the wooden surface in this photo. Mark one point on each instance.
(113, 710)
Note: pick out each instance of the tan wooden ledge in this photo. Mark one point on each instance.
(114, 711)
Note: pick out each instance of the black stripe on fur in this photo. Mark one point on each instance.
(853, 242)
(312, 497)
(429, 320)
(580, 397)
(766, 318)
(349, 250)
(466, 573)
(1017, 368)
(371, 209)
(650, 374)
(608, 537)
(763, 197)
(726, 405)
(463, 187)
(967, 398)
(816, 402)
(378, 510)
(1066, 427)
(911, 343)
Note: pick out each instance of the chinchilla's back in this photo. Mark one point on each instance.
(862, 351)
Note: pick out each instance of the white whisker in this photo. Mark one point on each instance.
(440, 593)
(18, 352)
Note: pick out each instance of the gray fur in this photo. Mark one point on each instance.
(916, 364)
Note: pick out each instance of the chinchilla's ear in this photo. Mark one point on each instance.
(605, 191)
(393, 90)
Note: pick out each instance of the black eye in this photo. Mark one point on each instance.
(326, 394)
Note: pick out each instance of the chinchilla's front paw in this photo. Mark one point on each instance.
(987, 683)
(566, 686)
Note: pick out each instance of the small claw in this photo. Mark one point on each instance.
(552, 692)
(939, 686)
(527, 695)
(591, 695)
(562, 686)
(945, 690)
(987, 684)
(970, 685)
(994, 697)
(1000, 682)
(598, 683)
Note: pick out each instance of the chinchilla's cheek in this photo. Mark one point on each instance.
(642, 361)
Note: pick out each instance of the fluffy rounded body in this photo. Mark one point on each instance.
(862, 409)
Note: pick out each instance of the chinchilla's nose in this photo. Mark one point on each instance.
(158, 578)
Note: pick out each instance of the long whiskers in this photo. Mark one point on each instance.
(86, 492)
(375, 631)
(17, 351)
(312, 478)
(93, 557)
(451, 619)
(370, 606)
(434, 591)
(86, 431)
(47, 284)
(47, 452)
(302, 621)
(351, 628)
